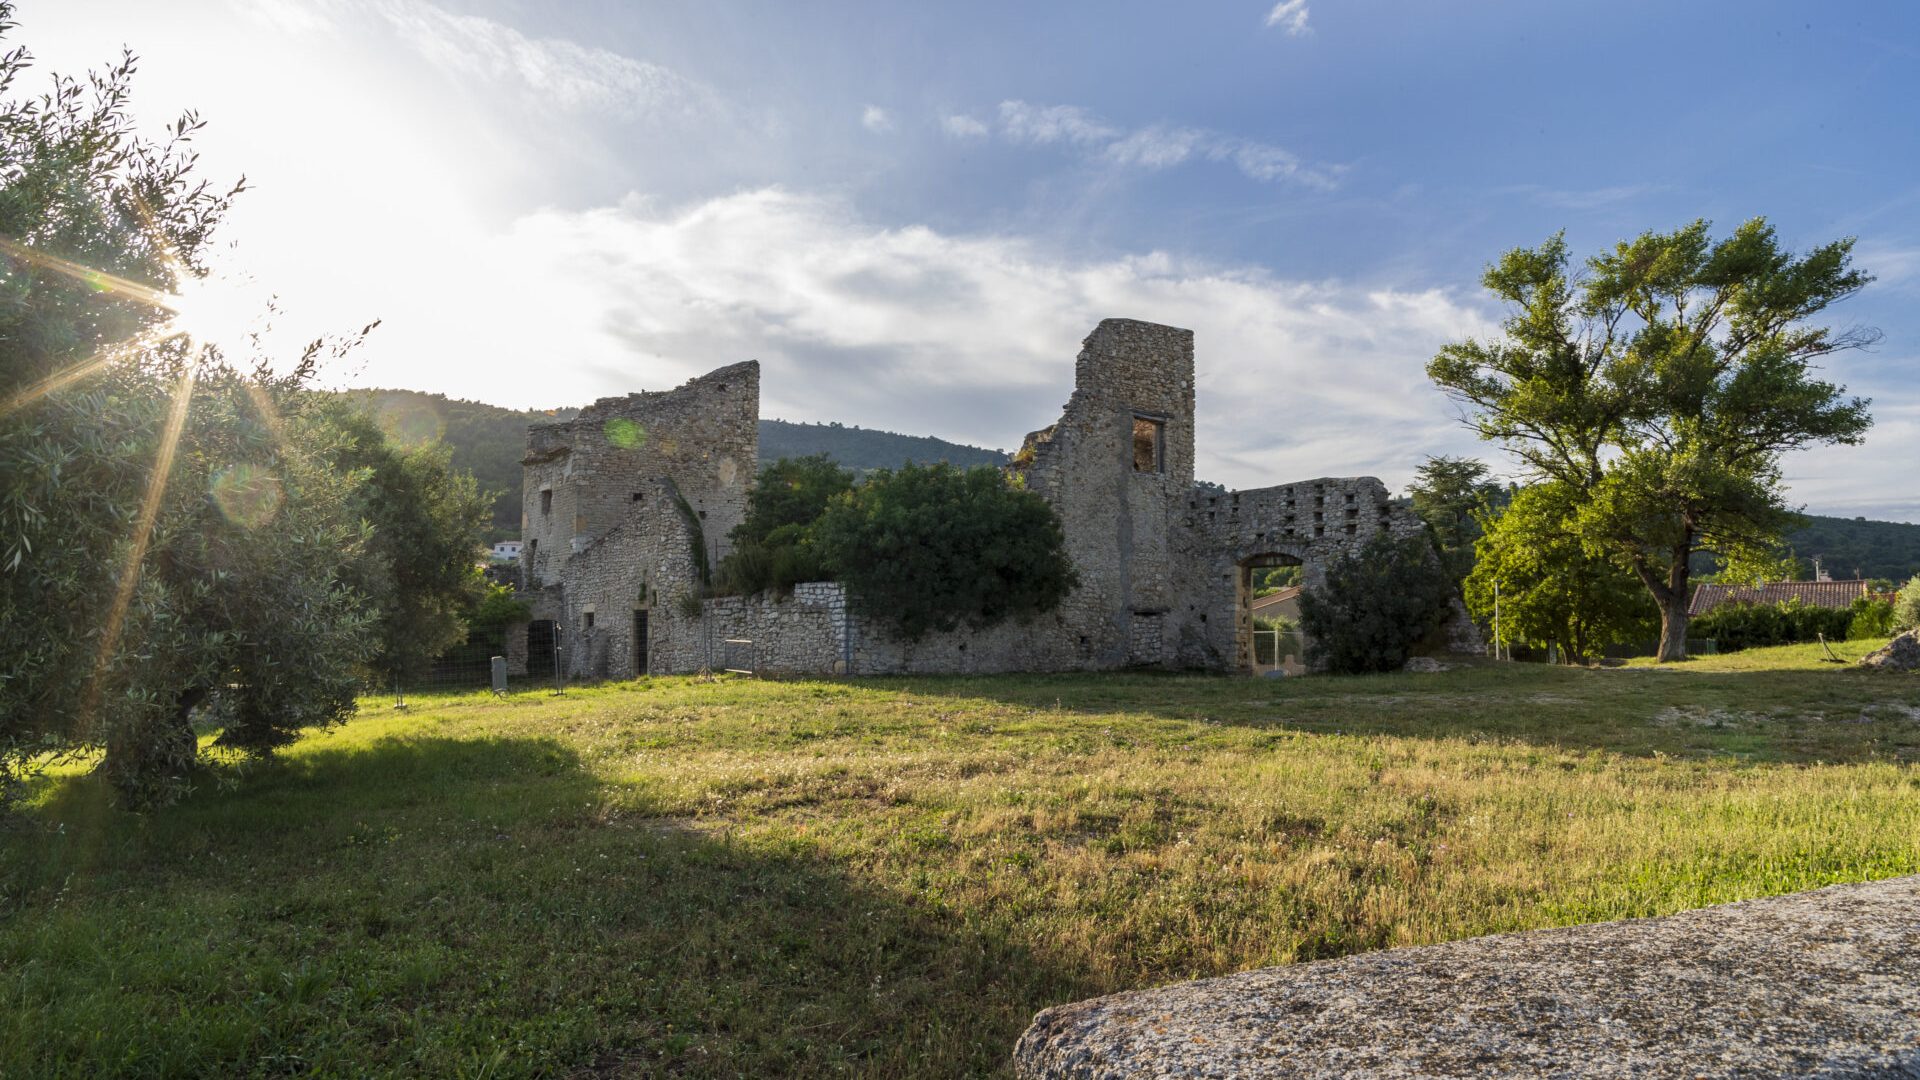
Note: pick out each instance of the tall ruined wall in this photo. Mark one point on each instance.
(1118, 507)
(1311, 524)
(644, 564)
(582, 476)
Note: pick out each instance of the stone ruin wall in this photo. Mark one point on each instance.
(613, 539)
(1163, 562)
(704, 435)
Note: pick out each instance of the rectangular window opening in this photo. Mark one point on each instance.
(546, 501)
(1149, 444)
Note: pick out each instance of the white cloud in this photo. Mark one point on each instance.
(962, 126)
(970, 337)
(1290, 15)
(875, 119)
(1158, 146)
(1053, 123)
(557, 72)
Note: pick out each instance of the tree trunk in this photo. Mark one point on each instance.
(1672, 595)
(1673, 628)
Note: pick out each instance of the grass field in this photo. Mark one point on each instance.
(889, 876)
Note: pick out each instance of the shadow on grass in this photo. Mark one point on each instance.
(472, 907)
(1830, 715)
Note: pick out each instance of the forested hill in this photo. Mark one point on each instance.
(864, 449)
(1854, 546)
(488, 441)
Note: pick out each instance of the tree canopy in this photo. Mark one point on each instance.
(1545, 586)
(1451, 494)
(931, 547)
(187, 541)
(1662, 385)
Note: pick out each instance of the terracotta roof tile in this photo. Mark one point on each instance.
(1826, 594)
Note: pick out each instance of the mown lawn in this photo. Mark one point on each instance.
(888, 877)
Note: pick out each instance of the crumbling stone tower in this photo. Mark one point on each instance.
(1118, 467)
(622, 509)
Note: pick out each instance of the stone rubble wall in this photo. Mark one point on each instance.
(581, 476)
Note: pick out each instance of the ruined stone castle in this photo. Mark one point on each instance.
(628, 504)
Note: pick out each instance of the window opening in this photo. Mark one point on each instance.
(1149, 444)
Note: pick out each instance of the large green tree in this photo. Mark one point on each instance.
(1662, 385)
(1451, 494)
(182, 549)
(1534, 581)
(428, 521)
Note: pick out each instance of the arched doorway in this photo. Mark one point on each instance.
(1267, 615)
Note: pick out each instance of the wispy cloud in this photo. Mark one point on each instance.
(972, 337)
(1291, 16)
(876, 119)
(1157, 146)
(1053, 123)
(559, 73)
(1581, 198)
(962, 126)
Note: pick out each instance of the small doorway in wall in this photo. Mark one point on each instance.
(1268, 619)
(640, 643)
(540, 644)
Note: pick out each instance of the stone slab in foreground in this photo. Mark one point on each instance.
(1823, 983)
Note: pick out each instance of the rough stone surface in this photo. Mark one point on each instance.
(1900, 654)
(1165, 564)
(1823, 983)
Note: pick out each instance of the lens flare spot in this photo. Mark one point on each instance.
(409, 421)
(668, 445)
(624, 433)
(248, 495)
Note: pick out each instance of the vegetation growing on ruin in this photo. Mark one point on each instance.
(889, 877)
(1375, 605)
(934, 548)
(773, 546)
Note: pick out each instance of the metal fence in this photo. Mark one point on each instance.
(1279, 650)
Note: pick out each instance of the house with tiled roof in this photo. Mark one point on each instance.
(1281, 604)
(1827, 594)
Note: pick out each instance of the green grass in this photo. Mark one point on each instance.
(888, 877)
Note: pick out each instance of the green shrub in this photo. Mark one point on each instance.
(1872, 618)
(1375, 605)
(773, 546)
(1751, 626)
(1906, 606)
(931, 547)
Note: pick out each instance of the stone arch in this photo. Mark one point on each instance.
(1248, 565)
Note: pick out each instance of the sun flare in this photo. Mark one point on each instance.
(213, 312)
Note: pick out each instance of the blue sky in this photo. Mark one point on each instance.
(911, 215)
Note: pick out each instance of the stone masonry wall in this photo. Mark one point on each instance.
(1163, 564)
(582, 475)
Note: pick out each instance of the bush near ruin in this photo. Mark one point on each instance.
(1375, 606)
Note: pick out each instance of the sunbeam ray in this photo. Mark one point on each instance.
(66, 377)
(142, 535)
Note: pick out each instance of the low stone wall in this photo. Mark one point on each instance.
(1823, 983)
